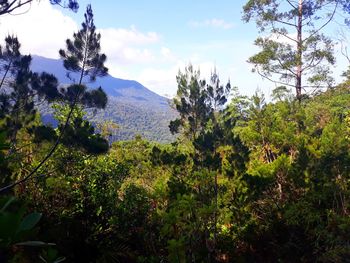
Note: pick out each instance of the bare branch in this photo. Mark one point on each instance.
(290, 3)
(285, 35)
(325, 24)
(288, 69)
(10, 8)
(274, 81)
(285, 23)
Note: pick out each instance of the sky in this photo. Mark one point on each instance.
(150, 41)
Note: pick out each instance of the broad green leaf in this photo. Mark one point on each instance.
(8, 202)
(29, 221)
(34, 244)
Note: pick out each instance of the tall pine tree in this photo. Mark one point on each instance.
(294, 52)
(83, 52)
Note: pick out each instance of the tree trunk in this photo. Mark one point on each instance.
(299, 50)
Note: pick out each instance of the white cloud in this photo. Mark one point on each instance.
(214, 22)
(117, 71)
(167, 55)
(127, 46)
(160, 80)
(165, 52)
(130, 36)
(163, 80)
(42, 30)
(125, 55)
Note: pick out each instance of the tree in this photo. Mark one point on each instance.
(83, 53)
(20, 89)
(9, 6)
(199, 104)
(82, 56)
(9, 57)
(294, 47)
(190, 102)
(197, 101)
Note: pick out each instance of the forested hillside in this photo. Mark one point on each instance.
(133, 108)
(248, 178)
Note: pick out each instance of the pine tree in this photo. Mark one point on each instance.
(9, 57)
(191, 103)
(83, 52)
(83, 57)
(20, 89)
(199, 104)
(294, 48)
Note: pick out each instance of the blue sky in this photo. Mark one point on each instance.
(202, 32)
(149, 41)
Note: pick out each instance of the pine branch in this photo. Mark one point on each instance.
(51, 152)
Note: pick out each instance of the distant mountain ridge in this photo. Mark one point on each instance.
(136, 109)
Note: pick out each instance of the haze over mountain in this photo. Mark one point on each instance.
(136, 109)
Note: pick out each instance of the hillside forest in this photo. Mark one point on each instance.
(246, 178)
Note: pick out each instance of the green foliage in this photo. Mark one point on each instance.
(197, 102)
(16, 226)
(259, 179)
(251, 181)
(20, 88)
(4, 165)
(82, 54)
(79, 133)
(13, 223)
(295, 48)
(51, 256)
(136, 118)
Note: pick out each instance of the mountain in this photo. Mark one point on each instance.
(136, 109)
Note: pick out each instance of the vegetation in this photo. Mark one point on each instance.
(246, 180)
(140, 119)
(296, 48)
